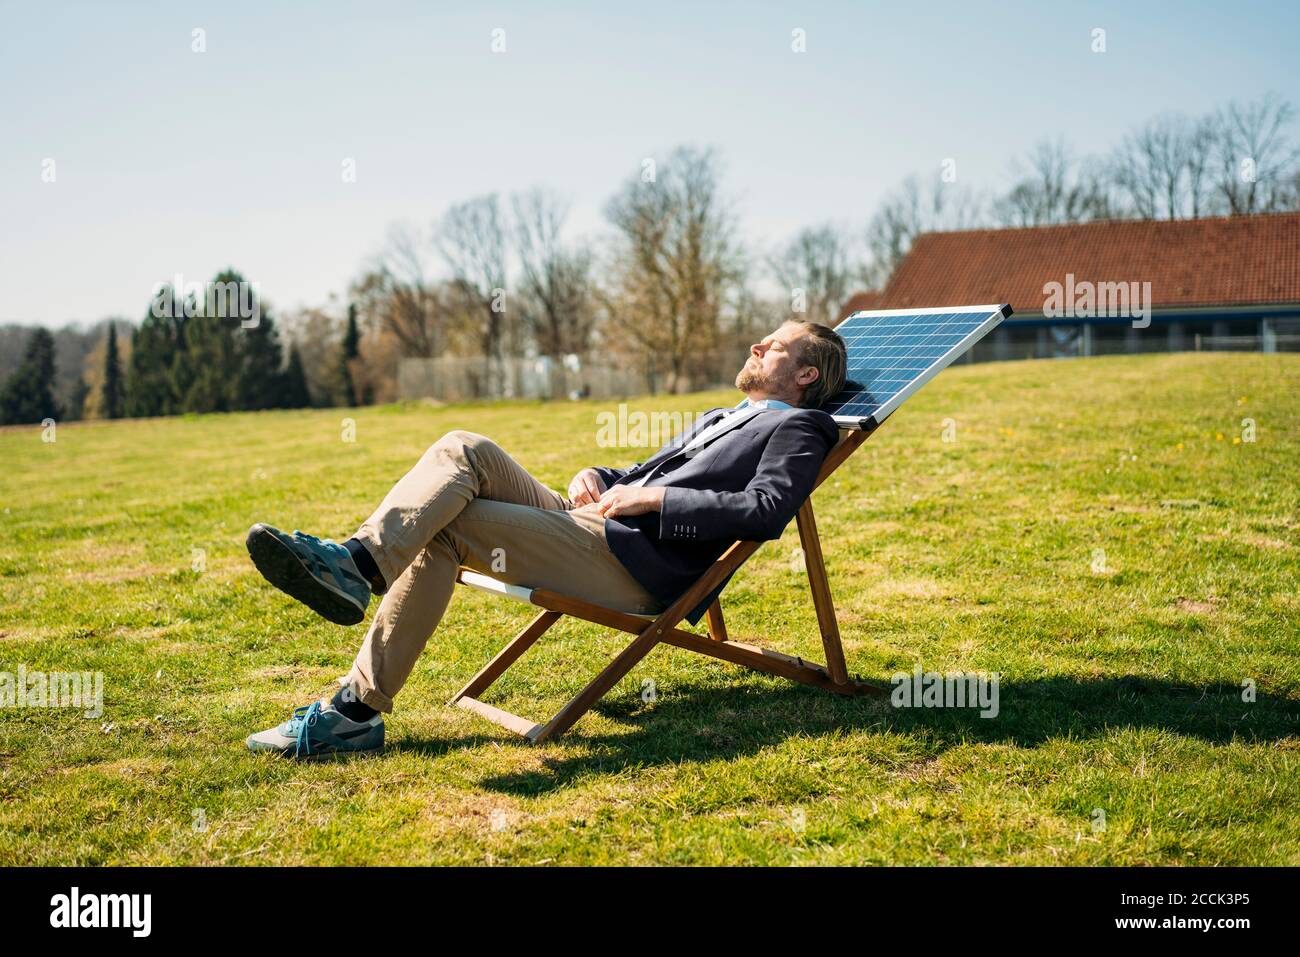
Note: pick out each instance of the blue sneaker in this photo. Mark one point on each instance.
(319, 730)
(318, 572)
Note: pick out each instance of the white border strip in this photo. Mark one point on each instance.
(991, 307)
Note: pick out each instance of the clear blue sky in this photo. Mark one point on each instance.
(171, 161)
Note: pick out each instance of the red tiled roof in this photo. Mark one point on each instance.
(860, 301)
(1225, 261)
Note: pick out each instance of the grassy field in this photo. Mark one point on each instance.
(1094, 532)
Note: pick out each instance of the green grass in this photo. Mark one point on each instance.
(1120, 690)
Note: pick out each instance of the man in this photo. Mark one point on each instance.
(632, 539)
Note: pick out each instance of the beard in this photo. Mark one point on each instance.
(749, 378)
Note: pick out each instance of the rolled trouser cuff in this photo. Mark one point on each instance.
(367, 693)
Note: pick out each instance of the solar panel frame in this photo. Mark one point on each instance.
(996, 313)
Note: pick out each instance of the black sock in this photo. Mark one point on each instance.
(365, 563)
(346, 702)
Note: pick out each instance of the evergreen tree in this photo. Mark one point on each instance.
(247, 359)
(293, 388)
(346, 392)
(186, 361)
(114, 395)
(151, 386)
(207, 365)
(211, 363)
(78, 399)
(28, 396)
(260, 358)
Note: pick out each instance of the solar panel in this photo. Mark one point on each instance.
(893, 352)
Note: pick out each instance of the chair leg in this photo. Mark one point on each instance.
(821, 594)
(717, 627)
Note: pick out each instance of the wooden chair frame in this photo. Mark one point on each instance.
(650, 631)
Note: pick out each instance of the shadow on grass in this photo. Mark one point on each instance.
(708, 723)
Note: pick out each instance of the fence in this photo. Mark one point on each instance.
(455, 379)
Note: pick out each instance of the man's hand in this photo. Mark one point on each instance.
(586, 487)
(623, 500)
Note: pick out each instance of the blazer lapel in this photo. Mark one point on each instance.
(702, 438)
(698, 427)
(717, 430)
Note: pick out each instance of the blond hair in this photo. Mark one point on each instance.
(824, 349)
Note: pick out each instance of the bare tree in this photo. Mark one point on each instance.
(1289, 191)
(1256, 161)
(555, 290)
(471, 238)
(678, 266)
(1053, 188)
(1162, 171)
(396, 294)
(316, 333)
(814, 268)
(911, 209)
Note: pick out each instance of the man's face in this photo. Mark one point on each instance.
(772, 368)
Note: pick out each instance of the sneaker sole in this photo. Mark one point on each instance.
(288, 755)
(319, 755)
(285, 570)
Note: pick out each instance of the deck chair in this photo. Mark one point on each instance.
(891, 353)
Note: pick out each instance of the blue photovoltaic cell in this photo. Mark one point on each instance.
(891, 355)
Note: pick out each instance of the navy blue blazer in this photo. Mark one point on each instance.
(743, 484)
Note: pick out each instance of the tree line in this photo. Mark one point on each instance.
(495, 279)
(181, 359)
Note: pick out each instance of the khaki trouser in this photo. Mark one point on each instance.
(467, 502)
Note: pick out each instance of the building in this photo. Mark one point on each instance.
(1117, 286)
